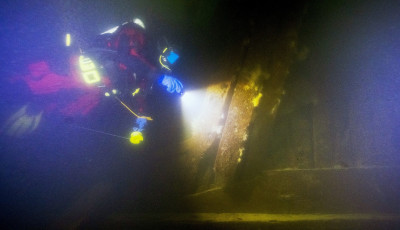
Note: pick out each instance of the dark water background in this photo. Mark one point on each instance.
(43, 176)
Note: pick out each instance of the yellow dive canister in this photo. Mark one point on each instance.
(136, 137)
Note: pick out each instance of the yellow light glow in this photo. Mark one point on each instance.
(136, 137)
(273, 110)
(89, 71)
(86, 63)
(136, 91)
(256, 100)
(91, 77)
(160, 60)
(68, 39)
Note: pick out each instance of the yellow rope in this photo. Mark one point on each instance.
(147, 118)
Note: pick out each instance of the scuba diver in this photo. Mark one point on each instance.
(122, 62)
(134, 69)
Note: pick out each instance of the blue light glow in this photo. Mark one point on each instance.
(172, 57)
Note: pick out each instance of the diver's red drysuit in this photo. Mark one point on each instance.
(42, 81)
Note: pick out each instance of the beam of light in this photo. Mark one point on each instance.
(202, 111)
(192, 103)
(68, 39)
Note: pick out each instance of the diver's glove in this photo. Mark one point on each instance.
(171, 84)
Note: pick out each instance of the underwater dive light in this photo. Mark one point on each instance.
(89, 70)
